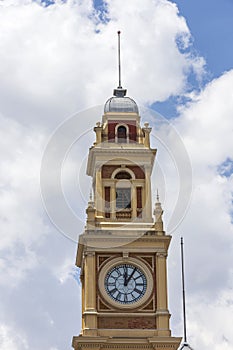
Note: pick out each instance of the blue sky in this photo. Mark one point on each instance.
(60, 60)
(211, 25)
(212, 29)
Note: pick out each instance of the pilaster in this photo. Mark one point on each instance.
(162, 313)
(90, 314)
(99, 192)
(148, 206)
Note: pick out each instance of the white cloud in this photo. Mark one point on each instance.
(155, 68)
(21, 211)
(53, 61)
(207, 122)
(217, 315)
(9, 340)
(56, 60)
(206, 128)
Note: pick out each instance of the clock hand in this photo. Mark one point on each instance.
(129, 278)
(125, 276)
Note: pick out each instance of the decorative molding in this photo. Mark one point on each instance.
(161, 255)
(128, 322)
(126, 346)
(149, 260)
(149, 306)
(89, 253)
(102, 259)
(126, 169)
(102, 306)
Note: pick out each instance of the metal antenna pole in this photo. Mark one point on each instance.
(183, 288)
(185, 344)
(119, 58)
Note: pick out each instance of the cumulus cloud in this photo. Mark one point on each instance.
(206, 128)
(60, 59)
(10, 340)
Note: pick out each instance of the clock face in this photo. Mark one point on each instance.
(125, 283)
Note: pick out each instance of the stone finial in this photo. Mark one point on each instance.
(158, 213)
(146, 130)
(90, 202)
(98, 130)
(90, 197)
(91, 213)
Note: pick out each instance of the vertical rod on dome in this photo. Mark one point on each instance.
(183, 288)
(119, 58)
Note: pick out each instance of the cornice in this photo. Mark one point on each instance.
(103, 243)
(140, 155)
(126, 343)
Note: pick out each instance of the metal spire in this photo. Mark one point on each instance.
(119, 92)
(185, 344)
(157, 195)
(119, 58)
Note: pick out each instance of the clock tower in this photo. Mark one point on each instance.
(123, 250)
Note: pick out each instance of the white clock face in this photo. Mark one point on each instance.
(125, 283)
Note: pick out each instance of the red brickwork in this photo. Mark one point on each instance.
(138, 171)
(131, 125)
(107, 171)
(139, 197)
(145, 322)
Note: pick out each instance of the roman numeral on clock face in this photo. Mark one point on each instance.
(125, 283)
(113, 291)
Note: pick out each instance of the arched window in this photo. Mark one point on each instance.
(123, 190)
(123, 175)
(121, 134)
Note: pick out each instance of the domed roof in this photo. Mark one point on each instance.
(120, 104)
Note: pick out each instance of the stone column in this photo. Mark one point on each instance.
(134, 200)
(83, 298)
(147, 205)
(90, 314)
(113, 200)
(162, 312)
(99, 192)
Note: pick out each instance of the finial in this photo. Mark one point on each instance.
(90, 197)
(119, 92)
(158, 212)
(90, 202)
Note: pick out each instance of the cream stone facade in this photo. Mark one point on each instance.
(123, 250)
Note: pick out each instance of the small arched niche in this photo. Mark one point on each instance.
(121, 134)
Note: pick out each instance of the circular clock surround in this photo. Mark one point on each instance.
(125, 283)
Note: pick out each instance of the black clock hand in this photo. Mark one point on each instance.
(125, 276)
(129, 278)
